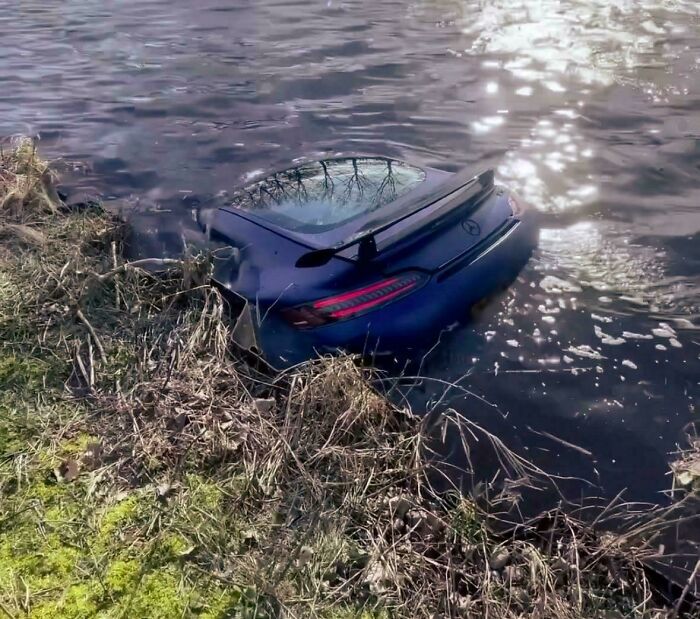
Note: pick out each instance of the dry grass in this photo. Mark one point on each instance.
(160, 475)
(686, 468)
(27, 188)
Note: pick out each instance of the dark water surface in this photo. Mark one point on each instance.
(590, 109)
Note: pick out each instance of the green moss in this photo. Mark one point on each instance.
(158, 596)
(205, 495)
(120, 515)
(122, 576)
(42, 562)
(74, 582)
(234, 602)
(79, 601)
(48, 492)
(219, 604)
(76, 445)
(172, 547)
(15, 371)
(59, 559)
(20, 372)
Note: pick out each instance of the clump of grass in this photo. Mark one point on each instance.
(145, 470)
(27, 188)
(27, 193)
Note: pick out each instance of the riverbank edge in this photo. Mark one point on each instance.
(146, 470)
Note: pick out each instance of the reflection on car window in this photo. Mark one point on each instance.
(322, 194)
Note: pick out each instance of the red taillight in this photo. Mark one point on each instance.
(355, 302)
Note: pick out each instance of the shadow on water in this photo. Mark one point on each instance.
(595, 449)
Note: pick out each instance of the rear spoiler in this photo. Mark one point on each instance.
(457, 190)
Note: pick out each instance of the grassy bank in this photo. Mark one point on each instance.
(146, 471)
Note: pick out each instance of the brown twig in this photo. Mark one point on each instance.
(93, 334)
(686, 589)
(137, 264)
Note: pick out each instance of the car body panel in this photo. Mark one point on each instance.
(467, 254)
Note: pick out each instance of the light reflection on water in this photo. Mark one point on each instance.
(566, 54)
(592, 42)
(603, 264)
(540, 169)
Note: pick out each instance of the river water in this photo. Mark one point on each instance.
(589, 365)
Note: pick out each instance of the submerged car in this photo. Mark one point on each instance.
(365, 254)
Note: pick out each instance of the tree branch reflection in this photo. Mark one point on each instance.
(352, 183)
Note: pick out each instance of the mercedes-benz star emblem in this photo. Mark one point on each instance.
(471, 227)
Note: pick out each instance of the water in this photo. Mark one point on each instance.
(590, 109)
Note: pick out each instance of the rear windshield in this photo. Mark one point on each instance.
(318, 196)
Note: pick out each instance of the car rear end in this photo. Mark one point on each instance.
(403, 274)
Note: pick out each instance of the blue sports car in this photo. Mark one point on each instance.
(364, 254)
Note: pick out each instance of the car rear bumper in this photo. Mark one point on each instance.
(415, 320)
